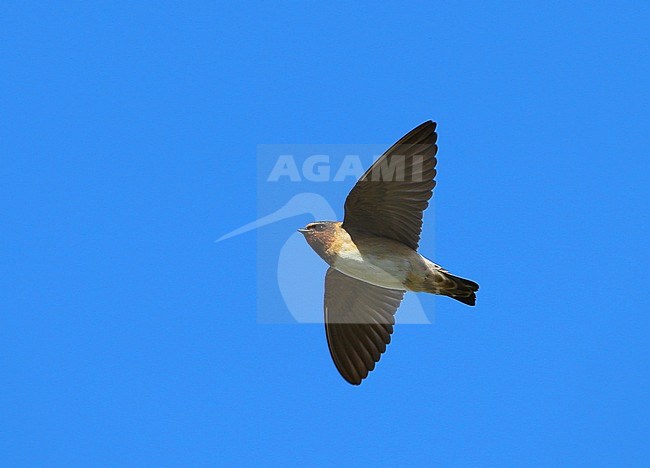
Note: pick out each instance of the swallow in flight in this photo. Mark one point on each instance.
(372, 255)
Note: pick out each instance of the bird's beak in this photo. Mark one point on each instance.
(301, 230)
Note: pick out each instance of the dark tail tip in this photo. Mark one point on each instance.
(469, 300)
(465, 291)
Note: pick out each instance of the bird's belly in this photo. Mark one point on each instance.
(385, 269)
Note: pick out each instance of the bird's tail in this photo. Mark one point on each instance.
(464, 290)
(442, 282)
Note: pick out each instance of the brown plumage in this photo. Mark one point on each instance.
(373, 254)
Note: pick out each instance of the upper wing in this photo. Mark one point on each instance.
(359, 320)
(388, 200)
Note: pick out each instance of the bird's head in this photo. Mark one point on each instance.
(322, 236)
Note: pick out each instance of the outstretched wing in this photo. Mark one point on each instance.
(388, 200)
(359, 319)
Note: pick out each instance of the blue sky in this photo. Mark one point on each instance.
(128, 144)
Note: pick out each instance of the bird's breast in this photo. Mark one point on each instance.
(378, 261)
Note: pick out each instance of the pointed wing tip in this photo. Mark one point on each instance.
(354, 382)
(429, 123)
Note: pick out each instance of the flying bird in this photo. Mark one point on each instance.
(372, 255)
